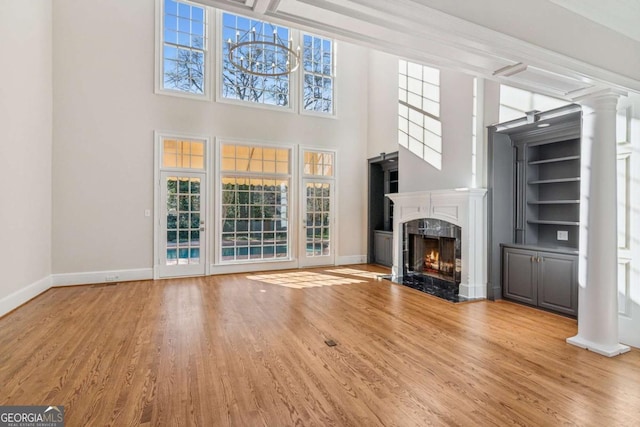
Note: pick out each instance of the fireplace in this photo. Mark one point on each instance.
(432, 248)
(450, 217)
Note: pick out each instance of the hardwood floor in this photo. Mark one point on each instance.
(232, 350)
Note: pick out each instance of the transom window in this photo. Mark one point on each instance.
(255, 183)
(318, 163)
(515, 102)
(419, 127)
(184, 48)
(182, 154)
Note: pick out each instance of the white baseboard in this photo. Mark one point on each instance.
(351, 259)
(90, 277)
(19, 297)
(473, 291)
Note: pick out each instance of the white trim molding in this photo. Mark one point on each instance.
(24, 295)
(91, 277)
(351, 259)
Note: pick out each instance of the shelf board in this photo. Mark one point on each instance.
(554, 160)
(554, 202)
(545, 222)
(554, 181)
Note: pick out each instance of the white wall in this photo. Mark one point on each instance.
(25, 150)
(383, 104)
(456, 112)
(105, 115)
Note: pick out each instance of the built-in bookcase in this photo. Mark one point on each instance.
(534, 209)
(552, 193)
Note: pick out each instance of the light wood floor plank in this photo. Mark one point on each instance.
(234, 351)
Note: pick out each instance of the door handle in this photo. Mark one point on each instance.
(201, 228)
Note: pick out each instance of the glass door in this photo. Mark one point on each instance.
(182, 224)
(317, 223)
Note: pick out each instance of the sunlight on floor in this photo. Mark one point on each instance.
(302, 279)
(354, 272)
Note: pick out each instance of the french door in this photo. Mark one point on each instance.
(317, 236)
(183, 232)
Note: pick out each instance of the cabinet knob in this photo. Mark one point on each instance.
(533, 259)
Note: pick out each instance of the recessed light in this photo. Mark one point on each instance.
(392, 160)
(544, 125)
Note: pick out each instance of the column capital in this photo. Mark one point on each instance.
(603, 98)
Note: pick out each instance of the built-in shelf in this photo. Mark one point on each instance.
(555, 181)
(553, 202)
(546, 222)
(554, 160)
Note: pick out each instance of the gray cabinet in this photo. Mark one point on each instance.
(383, 247)
(383, 179)
(534, 208)
(541, 278)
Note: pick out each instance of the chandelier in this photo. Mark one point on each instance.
(261, 55)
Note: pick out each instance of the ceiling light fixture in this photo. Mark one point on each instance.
(264, 56)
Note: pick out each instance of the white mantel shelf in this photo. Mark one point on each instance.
(465, 208)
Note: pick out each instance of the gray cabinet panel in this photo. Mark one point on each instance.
(557, 278)
(382, 248)
(520, 276)
(544, 279)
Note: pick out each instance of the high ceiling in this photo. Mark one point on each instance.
(534, 45)
(622, 16)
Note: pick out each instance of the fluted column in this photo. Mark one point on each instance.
(598, 268)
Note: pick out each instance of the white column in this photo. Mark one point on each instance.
(598, 268)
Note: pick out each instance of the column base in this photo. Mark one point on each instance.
(609, 351)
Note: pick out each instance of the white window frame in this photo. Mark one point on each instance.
(333, 179)
(296, 79)
(219, 66)
(159, 137)
(159, 55)
(534, 101)
(334, 79)
(292, 204)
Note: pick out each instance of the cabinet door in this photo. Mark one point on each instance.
(558, 282)
(382, 248)
(520, 275)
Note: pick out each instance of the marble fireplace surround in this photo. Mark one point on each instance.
(465, 208)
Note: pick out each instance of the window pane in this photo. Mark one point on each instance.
(183, 154)
(184, 47)
(255, 203)
(317, 64)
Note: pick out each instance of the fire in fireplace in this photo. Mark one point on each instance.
(432, 248)
(434, 256)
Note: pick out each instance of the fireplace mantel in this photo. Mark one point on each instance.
(463, 207)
